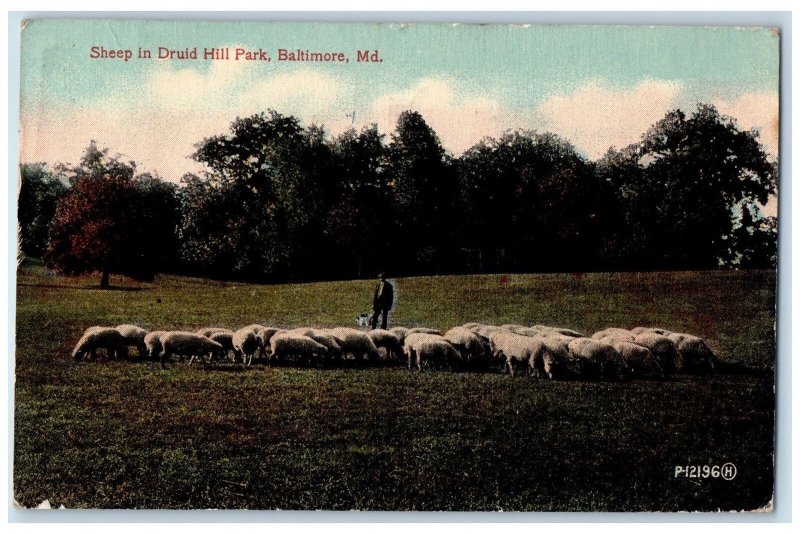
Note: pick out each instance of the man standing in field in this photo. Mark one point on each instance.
(381, 302)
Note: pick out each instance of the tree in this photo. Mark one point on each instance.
(425, 189)
(530, 202)
(268, 175)
(682, 186)
(39, 194)
(111, 221)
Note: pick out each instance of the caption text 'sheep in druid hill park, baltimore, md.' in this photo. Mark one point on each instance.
(234, 54)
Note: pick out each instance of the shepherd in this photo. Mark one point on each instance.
(382, 301)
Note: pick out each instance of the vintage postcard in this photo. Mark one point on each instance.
(442, 267)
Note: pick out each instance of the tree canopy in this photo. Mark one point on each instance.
(282, 201)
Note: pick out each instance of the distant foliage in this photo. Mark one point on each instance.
(281, 201)
(40, 191)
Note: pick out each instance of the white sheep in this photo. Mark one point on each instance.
(99, 337)
(265, 334)
(645, 329)
(400, 332)
(356, 343)
(472, 348)
(696, 355)
(246, 342)
(152, 342)
(334, 350)
(133, 336)
(212, 330)
(224, 338)
(664, 350)
(388, 341)
(617, 333)
(188, 344)
(423, 330)
(599, 359)
(292, 345)
(426, 349)
(516, 351)
(639, 359)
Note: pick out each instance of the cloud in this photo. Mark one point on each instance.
(759, 111)
(595, 117)
(174, 109)
(459, 120)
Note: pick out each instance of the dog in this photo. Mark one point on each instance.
(363, 319)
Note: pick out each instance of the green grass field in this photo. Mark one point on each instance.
(133, 435)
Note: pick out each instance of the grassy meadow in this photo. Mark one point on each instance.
(134, 435)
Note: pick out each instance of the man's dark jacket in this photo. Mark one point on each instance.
(382, 300)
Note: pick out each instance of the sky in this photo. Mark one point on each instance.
(597, 86)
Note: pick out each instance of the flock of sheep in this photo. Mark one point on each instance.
(543, 351)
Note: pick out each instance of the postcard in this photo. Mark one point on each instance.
(396, 267)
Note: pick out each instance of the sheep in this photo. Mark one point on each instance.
(696, 356)
(566, 332)
(99, 337)
(639, 359)
(246, 342)
(334, 350)
(557, 361)
(422, 330)
(152, 342)
(643, 330)
(212, 330)
(265, 334)
(133, 336)
(599, 359)
(664, 350)
(224, 338)
(472, 348)
(428, 348)
(388, 341)
(288, 344)
(400, 332)
(355, 342)
(515, 350)
(618, 333)
(188, 344)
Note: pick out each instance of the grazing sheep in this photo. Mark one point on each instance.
(388, 341)
(618, 333)
(599, 359)
(421, 348)
(152, 342)
(557, 361)
(99, 337)
(264, 334)
(512, 327)
(224, 338)
(645, 330)
(334, 350)
(516, 351)
(355, 342)
(292, 345)
(400, 332)
(664, 350)
(246, 342)
(212, 330)
(188, 344)
(423, 330)
(639, 359)
(697, 357)
(472, 348)
(133, 336)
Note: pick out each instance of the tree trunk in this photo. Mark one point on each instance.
(104, 279)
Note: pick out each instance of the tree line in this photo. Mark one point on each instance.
(281, 202)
